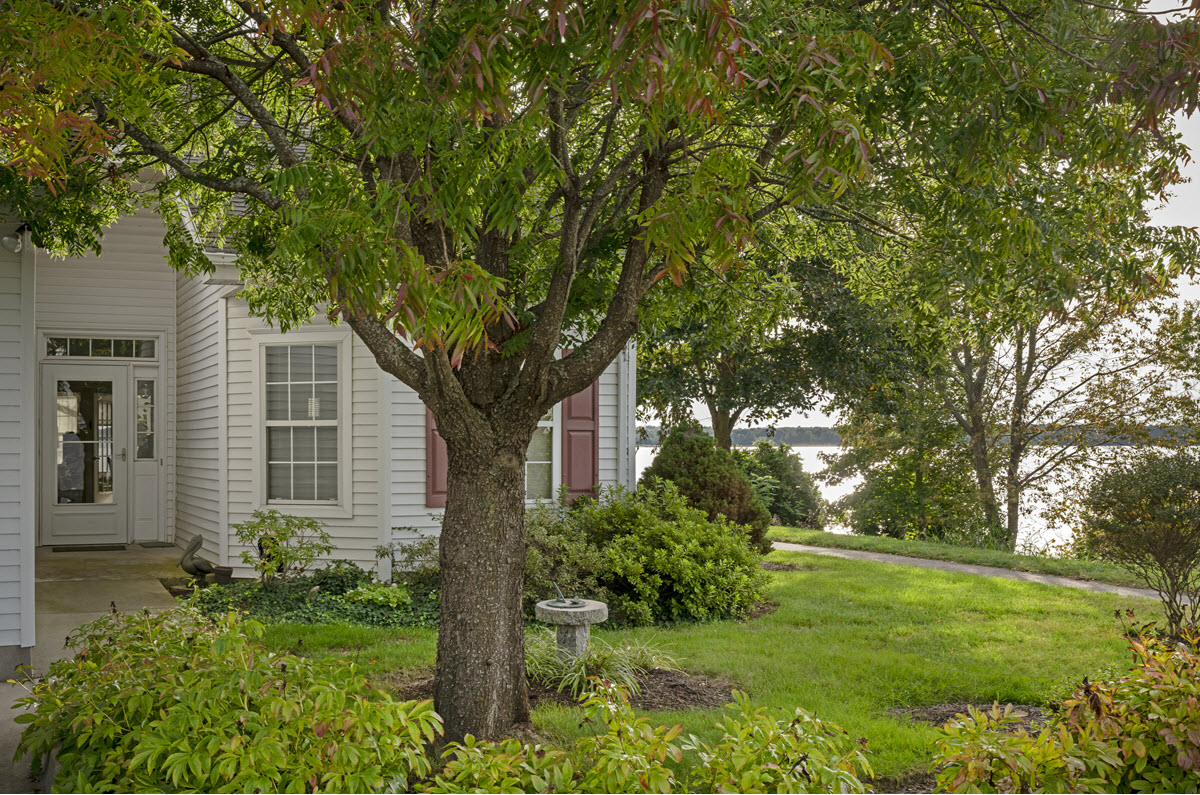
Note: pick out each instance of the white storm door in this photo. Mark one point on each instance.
(85, 451)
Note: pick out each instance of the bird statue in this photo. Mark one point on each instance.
(197, 567)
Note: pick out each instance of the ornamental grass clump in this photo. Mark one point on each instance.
(623, 664)
(171, 702)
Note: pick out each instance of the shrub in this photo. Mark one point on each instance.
(623, 664)
(1145, 516)
(166, 701)
(650, 555)
(339, 576)
(711, 480)
(756, 754)
(414, 562)
(281, 545)
(1138, 732)
(295, 601)
(778, 478)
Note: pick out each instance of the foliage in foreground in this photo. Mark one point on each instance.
(1137, 732)
(1144, 515)
(622, 664)
(168, 701)
(647, 553)
(711, 480)
(757, 753)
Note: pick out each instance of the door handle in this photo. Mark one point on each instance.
(124, 456)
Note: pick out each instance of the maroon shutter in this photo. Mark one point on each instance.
(435, 464)
(581, 442)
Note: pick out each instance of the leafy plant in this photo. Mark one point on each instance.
(711, 480)
(623, 664)
(1144, 515)
(280, 545)
(295, 601)
(648, 553)
(413, 562)
(168, 701)
(757, 753)
(379, 593)
(760, 753)
(1136, 732)
(339, 576)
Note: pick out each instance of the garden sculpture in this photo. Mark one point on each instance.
(195, 566)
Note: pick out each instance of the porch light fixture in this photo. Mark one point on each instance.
(16, 241)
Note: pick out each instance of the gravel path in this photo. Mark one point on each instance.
(970, 568)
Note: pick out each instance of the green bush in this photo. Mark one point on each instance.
(757, 753)
(1144, 515)
(288, 544)
(650, 555)
(168, 702)
(1138, 732)
(338, 577)
(778, 478)
(711, 480)
(379, 593)
(623, 664)
(414, 563)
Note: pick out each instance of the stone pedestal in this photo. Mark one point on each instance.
(573, 624)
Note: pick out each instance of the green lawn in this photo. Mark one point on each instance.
(1075, 569)
(850, 640)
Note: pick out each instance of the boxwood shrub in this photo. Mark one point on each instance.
(647, 553)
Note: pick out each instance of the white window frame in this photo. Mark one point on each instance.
(555, 424)
(343, 507)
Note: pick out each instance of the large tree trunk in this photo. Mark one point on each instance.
(480, 687)
(722, 428)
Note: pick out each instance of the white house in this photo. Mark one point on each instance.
(139, 405)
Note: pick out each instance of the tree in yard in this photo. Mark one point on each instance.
(474, 186)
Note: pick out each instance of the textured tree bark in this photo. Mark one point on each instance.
(722, 427)
(480, 687)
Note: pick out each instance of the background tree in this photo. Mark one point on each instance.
(474, 186)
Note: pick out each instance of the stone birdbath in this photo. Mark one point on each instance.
(572, 618)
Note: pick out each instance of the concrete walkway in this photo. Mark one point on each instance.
(71, 589)
(969, 568)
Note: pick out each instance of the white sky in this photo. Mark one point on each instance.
(1183, 209)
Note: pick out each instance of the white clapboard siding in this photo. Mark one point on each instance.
(406, 436)
(354, 536)
(130, 288)
(16, 506)
(199, 377)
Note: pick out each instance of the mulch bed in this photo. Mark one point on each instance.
(1031, 718)
(761, 609)
(771, 565)
(913, 782)
(660, 690)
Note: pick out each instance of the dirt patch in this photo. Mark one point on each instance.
(1031, 718)
(913, 782)
(771, 565)
(761, 609)
(660, 690)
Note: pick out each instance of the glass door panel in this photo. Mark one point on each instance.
(85, 441)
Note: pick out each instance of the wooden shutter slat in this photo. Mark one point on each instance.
(436, 465)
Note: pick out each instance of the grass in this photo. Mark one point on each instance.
(1095, 571)
(850, 640)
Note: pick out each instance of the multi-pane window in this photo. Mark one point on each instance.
(302, 422)
(103, 347)
(539, 461)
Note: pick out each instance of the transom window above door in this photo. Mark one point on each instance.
(102, 347)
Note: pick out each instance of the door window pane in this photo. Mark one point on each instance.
(144, 415)
(84, 432)
(101, 346)
(79, 347)
(123, 348)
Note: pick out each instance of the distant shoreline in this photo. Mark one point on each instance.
(794, 436)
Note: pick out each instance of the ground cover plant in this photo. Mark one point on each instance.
(849, 641)
(1095, 570)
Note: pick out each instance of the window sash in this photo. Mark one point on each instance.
(321, 475)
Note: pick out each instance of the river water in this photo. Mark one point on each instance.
(1034, 529)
